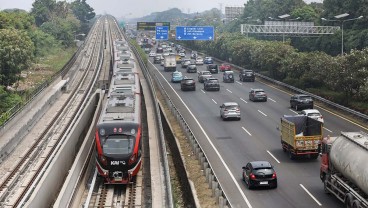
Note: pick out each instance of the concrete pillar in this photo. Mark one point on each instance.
(214, 187)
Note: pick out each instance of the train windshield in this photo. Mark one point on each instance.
(118, 144)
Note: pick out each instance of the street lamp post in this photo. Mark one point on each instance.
(338, 17)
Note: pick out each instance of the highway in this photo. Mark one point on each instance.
(229, 145)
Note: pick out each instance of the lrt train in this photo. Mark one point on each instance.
(118, 132)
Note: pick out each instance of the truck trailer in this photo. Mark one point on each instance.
(300, 136)
(170, 63)
(344, 168)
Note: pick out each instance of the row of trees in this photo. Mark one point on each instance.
(342, 79)
(25, 37)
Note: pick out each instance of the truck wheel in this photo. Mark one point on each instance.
(314, 156)
(291, 155)
(356, 204)
(349, 200)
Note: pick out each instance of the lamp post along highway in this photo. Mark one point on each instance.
(338, 19)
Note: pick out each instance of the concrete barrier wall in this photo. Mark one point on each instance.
(46, 191)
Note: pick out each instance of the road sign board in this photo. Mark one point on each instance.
(162, 32)
(151, 26)
(194, 33)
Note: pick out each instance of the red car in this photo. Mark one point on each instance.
(225, 67)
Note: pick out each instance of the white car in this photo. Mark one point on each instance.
(152, 54)
(313, 113)
(182, 55)
(199, 61)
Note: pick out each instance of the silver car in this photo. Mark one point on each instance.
(230, 110)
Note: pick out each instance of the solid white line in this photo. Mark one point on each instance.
(293, 111)
(272, 100)
(229, 90)
(239, 82)
(327, 129)
(273, 156)
(243, 100)
(209, 141)
(314, 198)
(214, 101)
(262, 113)
(246, 131)
(203, 91)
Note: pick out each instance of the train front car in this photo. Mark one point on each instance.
(118, 132)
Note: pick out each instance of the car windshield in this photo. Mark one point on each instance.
(213, 80)
(189, 81)
(305, 97)
(118, 144)
(314, 114)
(231, 107)
(206, 73)
(177, 74)
(262, 168)
(259, 92)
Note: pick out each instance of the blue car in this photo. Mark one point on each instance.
(176, 76)
(208, 60)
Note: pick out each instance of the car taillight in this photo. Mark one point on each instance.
(274, 176)
(252, 176)
(237, 110)
(132, 159)
(103, 159)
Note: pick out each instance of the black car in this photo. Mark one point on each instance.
(187, 84)
(228, 76)
(301, 101)
(247, 75)
(213, 68)
(211, 84)
(259, 173)
(191, 68)
(159, 50)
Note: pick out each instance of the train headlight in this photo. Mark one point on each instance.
(103, 159)
(132, 159)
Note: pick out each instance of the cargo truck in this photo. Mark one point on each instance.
(170, 63)
(301, 136)
(344, 168)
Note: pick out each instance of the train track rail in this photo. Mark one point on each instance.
(21, 172)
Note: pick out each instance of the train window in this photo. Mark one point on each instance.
(118, 144)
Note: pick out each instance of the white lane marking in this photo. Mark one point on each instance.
(273, 156)
(243, 100)
(293, 111)
(214, 101)
(239, 82)
(203, 91)
(272, 100)
(327, 129)
(314, 198)
(247, 131)
(229, 90)
(262, 113)
(211, 143)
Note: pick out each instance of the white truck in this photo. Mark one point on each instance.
(170, 63)
(344, 168)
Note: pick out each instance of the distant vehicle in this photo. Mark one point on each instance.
(300, 136)
(228, 76)
(257, 95)
(301, 101)
(170, 63)
(213, 68)
(176, 76)
(194, 55)
(187, 84)
(162, 62)
(191, 68)
(230, 110)
(147, 50)
(152, 54)
(182, 55)
(225, 67)
(157, 59)
(211, 84)
(208, 60)
(199, 61)
(259, 173)
(159, 50)
(166, 54)
(343, 170)
(185, 63)
(313, 113)
(202, 75)
(178, 58)
(247, 75)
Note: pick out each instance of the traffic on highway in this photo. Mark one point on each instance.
(240, 127)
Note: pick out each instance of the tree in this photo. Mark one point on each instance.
(43, 11)
(83, 11)
(62, 29)
(306, 13)
(16, 19)
(16, 53)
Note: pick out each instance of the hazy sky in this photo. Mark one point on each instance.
(139, 8)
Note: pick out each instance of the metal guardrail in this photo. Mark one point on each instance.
(163, 151)
(320, 99)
